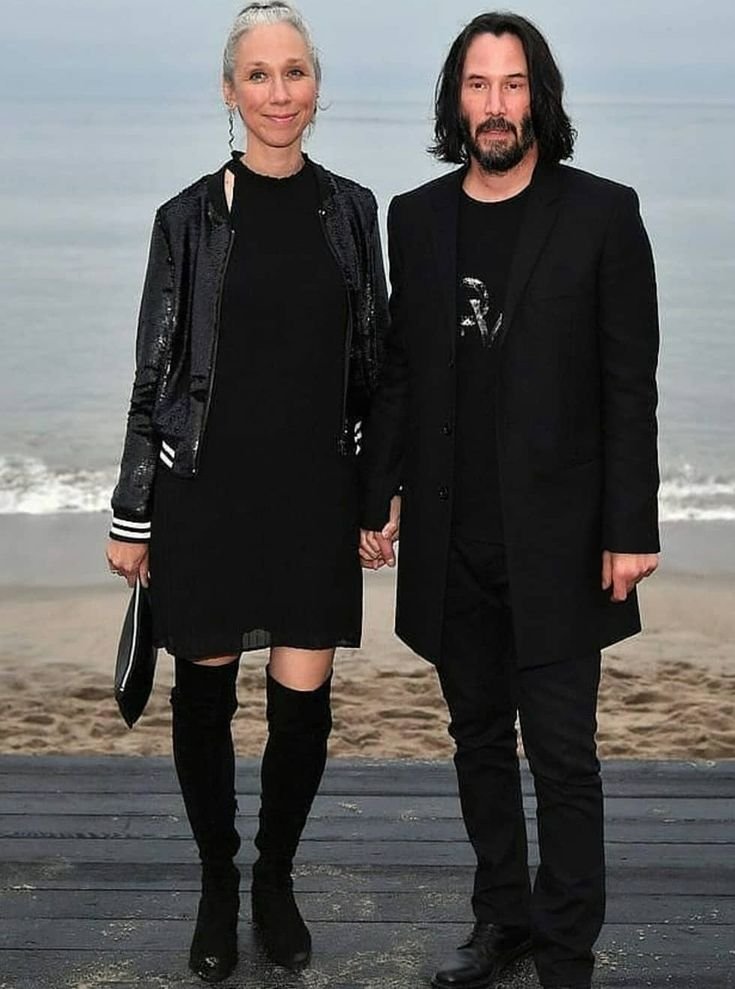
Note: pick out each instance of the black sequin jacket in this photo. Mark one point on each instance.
(178, 329)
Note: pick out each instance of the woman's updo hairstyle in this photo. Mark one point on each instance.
(274, 12)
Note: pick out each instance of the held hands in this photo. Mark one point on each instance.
(622, 571)
(128, 560)
(376, 548)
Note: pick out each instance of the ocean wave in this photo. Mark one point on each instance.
(30, 487)
(688, 495)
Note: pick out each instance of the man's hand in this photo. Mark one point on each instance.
(376, 548)
(622, 571)
(128, 560)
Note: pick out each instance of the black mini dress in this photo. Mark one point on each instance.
(260, 548)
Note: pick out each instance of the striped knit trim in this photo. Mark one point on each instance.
(167, 454)
(134, 532)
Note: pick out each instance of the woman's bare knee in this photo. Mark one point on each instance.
(216, 661)
(300, 669)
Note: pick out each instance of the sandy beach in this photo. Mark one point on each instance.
(668, 693)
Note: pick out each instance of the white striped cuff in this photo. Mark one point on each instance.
(167, 454)
(133, 532)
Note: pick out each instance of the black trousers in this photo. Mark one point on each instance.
(556, 704)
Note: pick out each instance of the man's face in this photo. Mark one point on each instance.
(495, 102)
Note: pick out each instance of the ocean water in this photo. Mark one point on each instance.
(78, 187)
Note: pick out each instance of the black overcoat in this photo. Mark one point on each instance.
(576, 410)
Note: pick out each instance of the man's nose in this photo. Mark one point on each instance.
(495, 101)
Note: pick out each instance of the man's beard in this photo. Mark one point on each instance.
(499, 156)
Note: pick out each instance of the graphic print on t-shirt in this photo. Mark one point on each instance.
(475, 309)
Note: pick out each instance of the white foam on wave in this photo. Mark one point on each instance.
(688, 495)
(30, 487)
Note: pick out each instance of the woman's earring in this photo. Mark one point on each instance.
(231, 123)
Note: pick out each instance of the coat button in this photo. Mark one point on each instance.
(451, 364)
(443, 493)
(447, 429)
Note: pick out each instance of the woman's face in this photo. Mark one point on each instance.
(274, 85)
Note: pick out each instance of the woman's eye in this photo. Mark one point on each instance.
(256, 76)
(296, 72)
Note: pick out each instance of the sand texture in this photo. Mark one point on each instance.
(667, 693)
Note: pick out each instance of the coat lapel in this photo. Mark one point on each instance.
(444, 236)
(538, 221)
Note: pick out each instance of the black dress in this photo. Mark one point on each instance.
(260, 547)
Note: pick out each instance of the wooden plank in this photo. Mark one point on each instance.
(656, 877)
(353, 852)
(396, 807)
(60, 933)
(354, 955)
(345, 906)
(403, 769)
(87, 974)
(354, 827)
(98, 886)
(127, 774)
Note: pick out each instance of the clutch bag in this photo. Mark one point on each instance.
(136, 657)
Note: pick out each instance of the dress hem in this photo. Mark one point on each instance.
(251, 641)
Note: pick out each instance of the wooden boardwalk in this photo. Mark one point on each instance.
(98, 876)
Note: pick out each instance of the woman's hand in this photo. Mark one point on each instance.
(376, 548)
(128, 560)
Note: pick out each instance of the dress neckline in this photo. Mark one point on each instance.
(241, 170)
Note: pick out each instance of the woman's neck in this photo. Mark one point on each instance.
(276, 162)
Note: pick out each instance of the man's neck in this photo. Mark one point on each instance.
(494, 187)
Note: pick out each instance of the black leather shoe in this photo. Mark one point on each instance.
(213, 953)
(478, 963)
(278, 923)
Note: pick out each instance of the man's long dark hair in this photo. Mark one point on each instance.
(553, 129)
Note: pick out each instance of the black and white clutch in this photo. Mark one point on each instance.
(136, 657)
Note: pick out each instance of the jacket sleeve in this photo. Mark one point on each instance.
(132, 495)
(379, 301)
(629, 341)
(381, 464)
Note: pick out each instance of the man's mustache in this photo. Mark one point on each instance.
(495, 123)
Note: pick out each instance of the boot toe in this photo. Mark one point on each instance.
(279, 926)
(212, 968)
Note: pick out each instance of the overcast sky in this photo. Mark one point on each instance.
(633, 49)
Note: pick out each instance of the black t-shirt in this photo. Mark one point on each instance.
(487, 236)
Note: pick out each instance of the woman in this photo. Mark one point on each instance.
(258, 349)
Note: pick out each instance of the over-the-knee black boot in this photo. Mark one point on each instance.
(204, 701)
(299, 723)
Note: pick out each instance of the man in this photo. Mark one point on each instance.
(517, 417)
